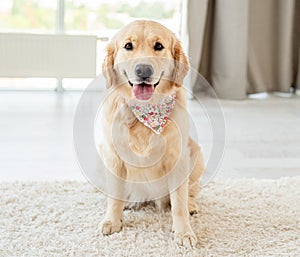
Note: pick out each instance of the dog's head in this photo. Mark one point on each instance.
(146, 57)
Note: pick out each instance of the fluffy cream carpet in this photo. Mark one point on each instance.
(237, 218)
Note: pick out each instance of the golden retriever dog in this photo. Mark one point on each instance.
(145, 64)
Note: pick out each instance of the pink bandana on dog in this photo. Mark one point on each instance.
(154, 115)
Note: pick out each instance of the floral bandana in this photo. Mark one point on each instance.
(154, 115)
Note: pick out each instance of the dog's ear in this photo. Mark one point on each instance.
(181, 65)
(108, 65)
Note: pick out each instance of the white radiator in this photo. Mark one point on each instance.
(57, 56)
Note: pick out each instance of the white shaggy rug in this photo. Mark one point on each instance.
(237, 218)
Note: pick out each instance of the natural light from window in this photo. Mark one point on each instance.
(101, 18)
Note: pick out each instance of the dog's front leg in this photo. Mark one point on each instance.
(113, 219)
(183, 232)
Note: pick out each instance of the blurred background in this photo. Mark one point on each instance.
(248, 51)
(101, 19)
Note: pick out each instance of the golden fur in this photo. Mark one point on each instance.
(170, 66)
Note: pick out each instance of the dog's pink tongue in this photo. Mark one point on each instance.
(143, 91)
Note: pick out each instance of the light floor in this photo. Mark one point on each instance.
(262, 136)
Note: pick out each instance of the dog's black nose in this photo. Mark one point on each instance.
(143, 71)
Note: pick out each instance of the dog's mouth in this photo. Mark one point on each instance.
(143, 91)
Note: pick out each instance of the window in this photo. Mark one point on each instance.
(34, 16)
(105, 17)
(102, 18)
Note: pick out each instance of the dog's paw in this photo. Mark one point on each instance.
(108, 227)
(188, 240)
(194, 209)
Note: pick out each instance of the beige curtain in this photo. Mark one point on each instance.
(243, 46)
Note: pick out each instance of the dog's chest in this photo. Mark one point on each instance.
(139, 137)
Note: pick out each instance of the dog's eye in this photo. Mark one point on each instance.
(128, 46)
(158, 46)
